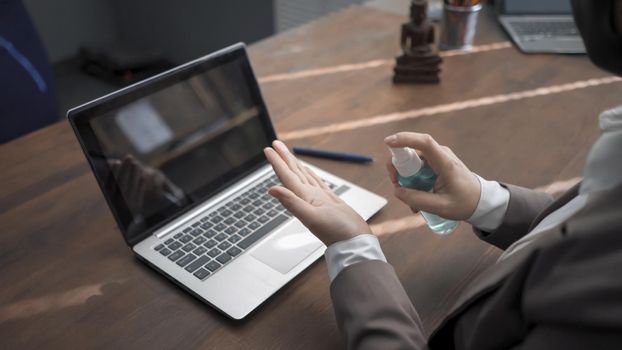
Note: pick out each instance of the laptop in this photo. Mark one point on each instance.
(541, 26)
(179, 159)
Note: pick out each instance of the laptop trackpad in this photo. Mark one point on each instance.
(287, 248)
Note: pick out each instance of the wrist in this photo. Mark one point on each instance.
(334, 239)
(491, 207)
(361, 247)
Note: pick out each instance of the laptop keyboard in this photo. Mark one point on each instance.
(209, 243)
(545, 28)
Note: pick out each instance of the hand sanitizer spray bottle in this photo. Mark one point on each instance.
(412, 172)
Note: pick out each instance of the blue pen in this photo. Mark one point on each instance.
(345, 156)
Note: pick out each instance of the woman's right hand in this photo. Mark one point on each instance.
(456, 191)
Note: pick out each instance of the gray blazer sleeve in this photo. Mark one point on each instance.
(523, 208)
(373, 310)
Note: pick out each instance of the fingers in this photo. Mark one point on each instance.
(431, 150)
(291, 202)
(392, 172)
(290, 160)
(421, 200)
(282, 170)
(319, 181)
(323, 185)
(311, 177)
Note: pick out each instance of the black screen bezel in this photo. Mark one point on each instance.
(80, 117)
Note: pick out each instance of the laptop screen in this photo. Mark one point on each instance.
(536, 7)
(167, 144)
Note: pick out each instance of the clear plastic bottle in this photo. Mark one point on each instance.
(412, 172)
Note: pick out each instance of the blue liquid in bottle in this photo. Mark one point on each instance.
(424, 180)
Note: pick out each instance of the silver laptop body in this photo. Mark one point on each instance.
(259, 250)
(541, 26)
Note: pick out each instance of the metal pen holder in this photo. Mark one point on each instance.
(458, 26)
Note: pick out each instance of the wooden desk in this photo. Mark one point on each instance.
(68, 280)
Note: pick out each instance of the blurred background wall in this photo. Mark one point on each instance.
(131, 30)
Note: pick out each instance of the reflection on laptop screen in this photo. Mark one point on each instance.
(170, 148)
(537, 7)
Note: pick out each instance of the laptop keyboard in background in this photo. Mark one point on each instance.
(217, 238)
(544, 28)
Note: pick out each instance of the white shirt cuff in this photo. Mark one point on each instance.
(342, 254)
(493, 203)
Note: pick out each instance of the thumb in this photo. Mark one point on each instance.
(290, 201)
(421, 200)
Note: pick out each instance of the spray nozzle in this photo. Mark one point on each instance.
(406, 161)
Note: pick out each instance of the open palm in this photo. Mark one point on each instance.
(305, 195)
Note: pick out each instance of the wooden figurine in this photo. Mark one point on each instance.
(420, 62)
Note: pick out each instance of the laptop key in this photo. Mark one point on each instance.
(209, 234)
(234, 251)
(206, 226)
(234, 239)
(220, 227)
(196, 232)
(210, 244)
(200, 250)
(196, 224)
(216, 219)
(240, 214)
(186, 260)
(253, 225)
(259, 211)
(176, 255)
(224, 245)
(197, 263)
(249, 217)
(188, 247)
(165, 252)
(201, 274)
(221, 237)
(204, 219)
(199, 240)
(230, 230)
(272, 213)
(268, 206)
(258, 203)
(226, 212)
(214, 252)
(263, 219)
(245, 201)
(244, 232)
(235, 207)
(169, 241)
(264, 230)
(213, 265)
(159, 246)
(185, 239)
(174, 246)
(187, 229)
(223, 258)
(177, 236)
(229, 221)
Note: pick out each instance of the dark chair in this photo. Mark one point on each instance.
(27, 97)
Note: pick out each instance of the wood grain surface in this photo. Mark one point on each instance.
(69, 281)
